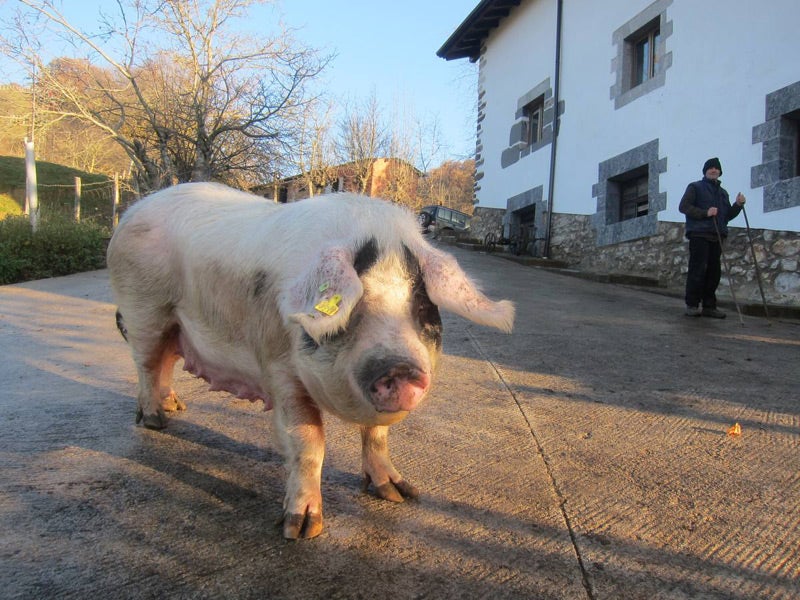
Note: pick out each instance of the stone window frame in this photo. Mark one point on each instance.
(518, 144)
(779, 136)
(623, 91)
(610, 229)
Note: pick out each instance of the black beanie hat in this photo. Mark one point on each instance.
(712, 162)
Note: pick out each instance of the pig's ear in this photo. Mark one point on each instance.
(322, 297)
(450, 288)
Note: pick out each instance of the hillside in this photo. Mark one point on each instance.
(56, 185)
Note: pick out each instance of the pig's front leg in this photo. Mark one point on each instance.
(378, 468)
(300, 425)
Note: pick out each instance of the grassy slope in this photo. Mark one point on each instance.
(12, 177)
(61, 246)
(12, 173)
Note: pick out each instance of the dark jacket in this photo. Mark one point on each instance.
(697, 199)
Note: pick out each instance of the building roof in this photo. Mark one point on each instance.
(465, 42)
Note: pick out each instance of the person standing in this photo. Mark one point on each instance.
(708, 209)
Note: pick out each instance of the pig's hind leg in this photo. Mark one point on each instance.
(154, 365)
(378, 468)
(155, 352)
(169, 399)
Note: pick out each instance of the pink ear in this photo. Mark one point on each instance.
(322, 297)
(450, 288)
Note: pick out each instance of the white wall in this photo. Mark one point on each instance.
(727, 55)
(520, 55)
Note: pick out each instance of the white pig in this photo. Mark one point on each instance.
(325, 304)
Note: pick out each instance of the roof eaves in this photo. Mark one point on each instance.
(466, 40)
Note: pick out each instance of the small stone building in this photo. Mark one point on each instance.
(386, 177)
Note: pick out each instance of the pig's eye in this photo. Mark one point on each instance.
(340, 336)
(308, 343)
(427, 314)
(332, 338)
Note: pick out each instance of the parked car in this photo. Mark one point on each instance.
(441, 218)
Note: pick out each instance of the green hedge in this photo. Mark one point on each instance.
(60, 246)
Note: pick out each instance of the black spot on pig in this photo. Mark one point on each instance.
(366, 257)
(411, 262)
(260, 283)
(121, 326)
(427, 314)
(423, 309)
(308, 344)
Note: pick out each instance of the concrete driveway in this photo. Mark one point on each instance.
(585, 455)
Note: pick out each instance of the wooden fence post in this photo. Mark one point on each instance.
(31, 197)
(77, 199)
(115, 208)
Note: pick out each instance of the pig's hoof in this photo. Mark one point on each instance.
(172, 403)
(156, 421)
(307, 526)
(393, 491)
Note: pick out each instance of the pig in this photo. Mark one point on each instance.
(327, 304)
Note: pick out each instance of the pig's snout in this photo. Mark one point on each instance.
(394, 384)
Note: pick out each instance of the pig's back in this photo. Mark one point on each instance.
(200, 222)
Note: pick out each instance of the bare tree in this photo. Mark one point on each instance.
(428, 143)
(311, 154)
(467, 80)
(397, 180)
(452, 184)
(185, 97)
(15, 110)
(362, 139)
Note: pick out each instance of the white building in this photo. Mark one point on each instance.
(645, 92)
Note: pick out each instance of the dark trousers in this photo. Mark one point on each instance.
(704, 272)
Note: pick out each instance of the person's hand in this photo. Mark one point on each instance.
(740, 199)
(712, 212)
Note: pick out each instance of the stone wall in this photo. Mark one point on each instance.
(485, 221)
(664, 257)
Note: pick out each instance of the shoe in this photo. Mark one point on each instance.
(692, 311)
(713, 313)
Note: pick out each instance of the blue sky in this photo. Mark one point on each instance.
(385, 47)
(390, 47)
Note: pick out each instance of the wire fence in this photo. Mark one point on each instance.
(100, 202)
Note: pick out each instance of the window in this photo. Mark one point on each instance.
(642, 58)
(645, 57)
(633, 197)
(628, 195)
(779, 171)
(459, 219)
(533, 113)
(532, 127)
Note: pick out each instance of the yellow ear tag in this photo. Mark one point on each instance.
(330, 306)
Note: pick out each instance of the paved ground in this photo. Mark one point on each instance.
(583, 456)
